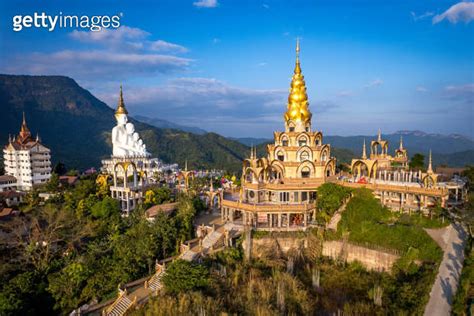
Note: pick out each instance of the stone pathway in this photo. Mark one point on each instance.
(452, 240)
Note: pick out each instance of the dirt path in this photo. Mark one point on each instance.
(452, 240)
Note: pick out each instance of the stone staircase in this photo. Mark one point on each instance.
(120, 306)
(211, 239)
(154, 283)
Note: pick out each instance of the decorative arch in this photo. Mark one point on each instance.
(318, 139)
(284, 140)
(325, 154)
(250, 176)
(303, 150)
(280, 152)
(306, 166)
(360, 169)
(276, 170)
(291, 126)
(429, 181)
(330, 168)
(303, 139)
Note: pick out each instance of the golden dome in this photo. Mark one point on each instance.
(121, 105)
(298, 99)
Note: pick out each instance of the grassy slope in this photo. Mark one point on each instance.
(369, 222)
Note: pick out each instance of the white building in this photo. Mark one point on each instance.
(27, 159)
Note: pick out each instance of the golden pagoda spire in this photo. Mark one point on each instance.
(401, 142)
(430, 165)
(121, 105)
(24, 130)
(297, 108)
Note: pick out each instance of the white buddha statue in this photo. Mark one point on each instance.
(126, 142)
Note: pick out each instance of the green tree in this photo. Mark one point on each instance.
(417, 162)
(105, 208)
(183, 276)
(66, 285)
(53, 183)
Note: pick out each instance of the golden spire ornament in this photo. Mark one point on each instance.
(121, 105)
(297, 109)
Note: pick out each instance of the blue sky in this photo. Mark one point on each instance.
(225, 66)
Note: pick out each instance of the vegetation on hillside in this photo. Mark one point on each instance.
(330, 198)
(77, 248)
(368, 222)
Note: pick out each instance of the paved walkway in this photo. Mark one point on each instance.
(452, 240)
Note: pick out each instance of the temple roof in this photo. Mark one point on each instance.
(121, 105)
(297, 109)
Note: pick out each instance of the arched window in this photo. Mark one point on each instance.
(318, 142)
(284, 141)
(304, 156)
(281, 156)
(291, 127)
(324, 156)
(302, 141)
(305, 172)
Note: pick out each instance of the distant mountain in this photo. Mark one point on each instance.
(413, 141)
(160, 123)
(249, 141)
(77, 126)
(453, 150)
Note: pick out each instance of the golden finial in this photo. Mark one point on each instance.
(430, 166)
(297, 108)
(121, 105)
(401, 142)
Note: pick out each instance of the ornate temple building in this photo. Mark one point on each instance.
(27, 159)
(399, 187)
(278, 191)
(130, 164)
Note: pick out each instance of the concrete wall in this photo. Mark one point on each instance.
(371, 259)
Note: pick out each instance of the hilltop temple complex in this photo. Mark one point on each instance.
(278, 191)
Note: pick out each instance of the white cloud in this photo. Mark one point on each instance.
(97, 65)
(163, 46)
(344, 93)
(421, 89)
(262, 64)
(206, 3)
(374, 83)
(421, 16)
(118, 54)
(126, 38)
(463, 93)
(110, 35)
(460, 12)
(265, 6)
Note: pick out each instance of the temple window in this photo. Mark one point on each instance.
(304, 156)
(304, 196)
(318, 142)
(305, 172)
(302, 141)
(284, 196)
(285, 142)
(292, 128)
(281, 156)
(324, 157)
